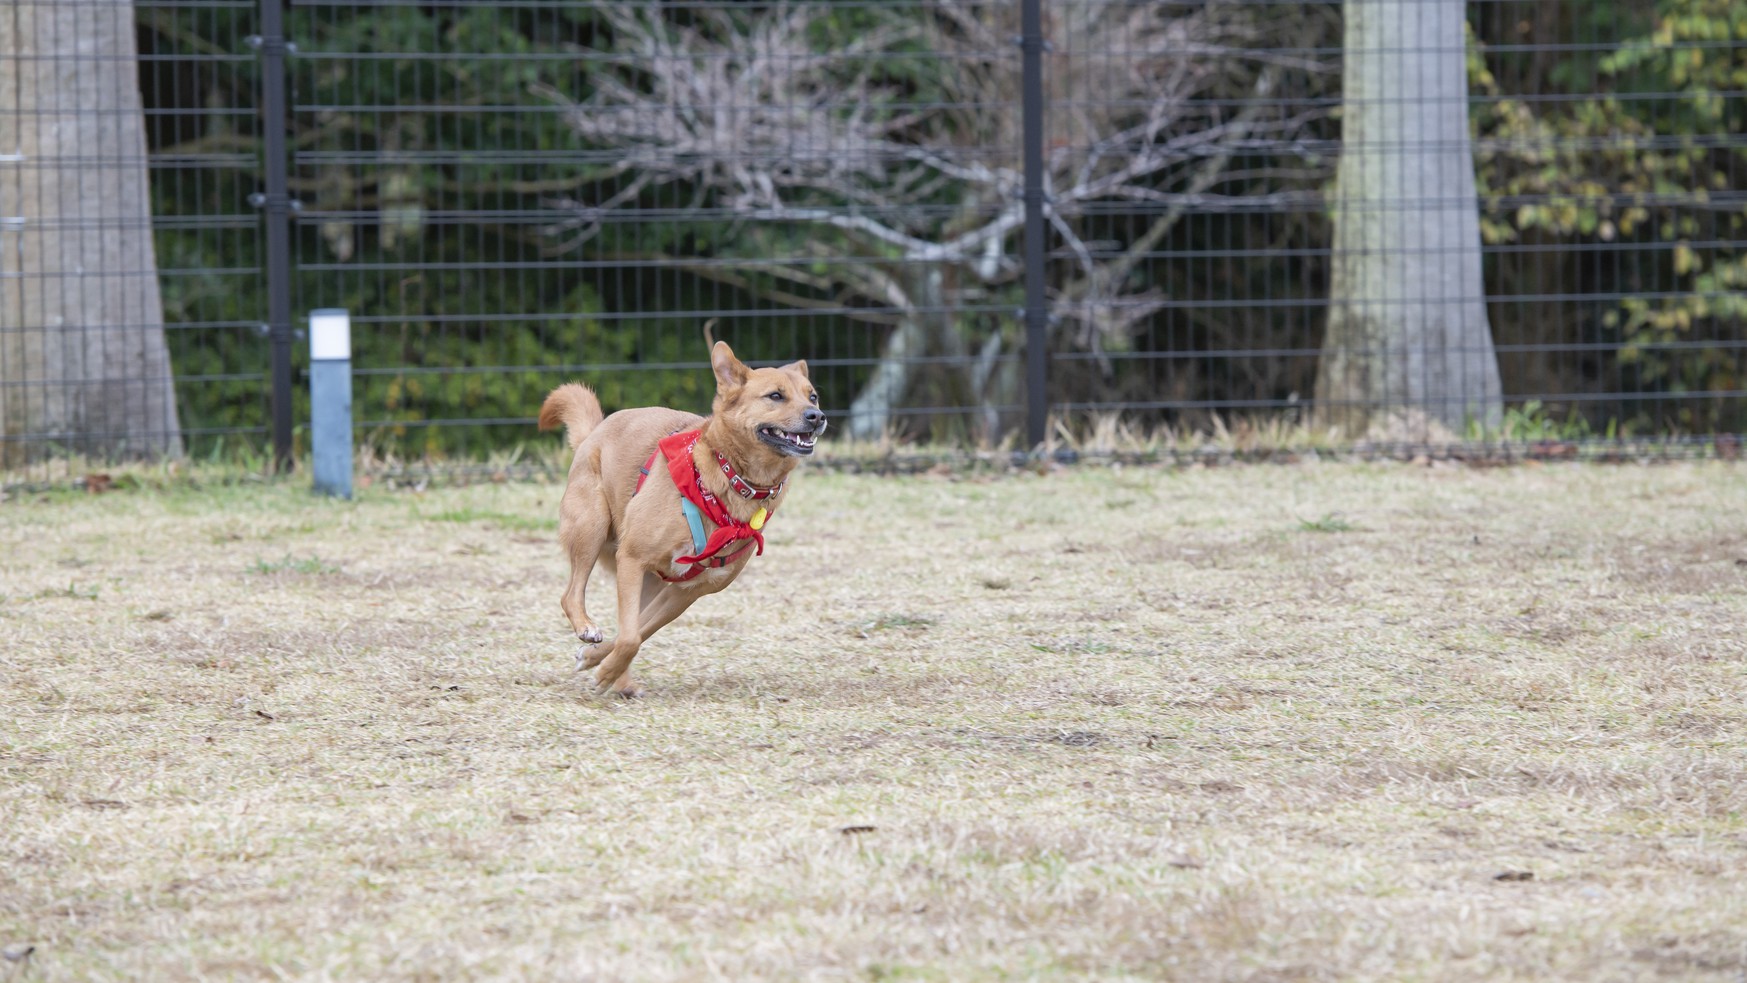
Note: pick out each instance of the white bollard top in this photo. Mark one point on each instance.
(330, 334)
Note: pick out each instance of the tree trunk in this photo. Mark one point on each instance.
(919, 334)
(1408, 340)
(83, 364)
(928, 358)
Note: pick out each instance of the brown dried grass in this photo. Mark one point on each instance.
(1263, 723)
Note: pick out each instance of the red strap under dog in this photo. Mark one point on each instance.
(677, 449)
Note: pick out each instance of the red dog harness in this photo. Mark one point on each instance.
(707, 552)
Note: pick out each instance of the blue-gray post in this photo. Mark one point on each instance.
(330, 400)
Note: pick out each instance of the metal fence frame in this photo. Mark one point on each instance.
(276, 252)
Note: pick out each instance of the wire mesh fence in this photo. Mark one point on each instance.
(1378, 223)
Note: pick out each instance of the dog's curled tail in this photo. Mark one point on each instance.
(574, 407)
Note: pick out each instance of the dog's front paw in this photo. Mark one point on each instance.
(624, 688)
(614, 677)
(592, 635)
(589, 656)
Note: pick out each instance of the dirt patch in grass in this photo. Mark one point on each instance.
(1265, 723)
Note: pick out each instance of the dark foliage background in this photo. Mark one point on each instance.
(490, 245)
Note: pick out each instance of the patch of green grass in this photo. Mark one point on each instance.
(72, 591)
(311, 565)
(1533, 422)
(1074, 646)
(503, 520)
(1330, 522)
(898, 622)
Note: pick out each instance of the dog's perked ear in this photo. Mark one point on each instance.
(730, 371)
(800, 367)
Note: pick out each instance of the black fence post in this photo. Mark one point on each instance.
(276, 204)
(1031, 45)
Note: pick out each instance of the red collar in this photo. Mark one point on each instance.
(682, 466)
(746, 488)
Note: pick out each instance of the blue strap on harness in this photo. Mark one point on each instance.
(695, 519)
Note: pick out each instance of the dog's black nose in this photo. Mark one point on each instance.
(813, 417)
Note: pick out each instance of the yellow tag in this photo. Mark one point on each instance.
(758, 518)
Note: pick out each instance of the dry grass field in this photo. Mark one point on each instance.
(1307, 722)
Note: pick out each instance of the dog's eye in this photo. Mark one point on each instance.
(776, 396)
(813, 398)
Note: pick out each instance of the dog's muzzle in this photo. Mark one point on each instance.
(797, 442)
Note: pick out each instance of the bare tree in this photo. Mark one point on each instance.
(83, 363)
(1408, 337)
(753, 115)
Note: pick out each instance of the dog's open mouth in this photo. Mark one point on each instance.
(789, 441)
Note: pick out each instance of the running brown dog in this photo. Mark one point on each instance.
(672, 503)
